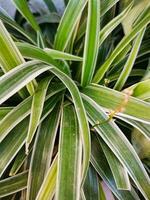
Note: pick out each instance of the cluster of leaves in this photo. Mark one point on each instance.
(75, 101)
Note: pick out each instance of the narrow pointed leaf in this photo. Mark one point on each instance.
(55, 54)
(143, 128)
(118, 170)
(106, 5)
(69, 157)
(120, 146)
(12, 144)
(8, 20)
(91, 185)
(10, 57)
(14, 184)
(48, 187)
(23, 8)
(21, 111)
(124, 42)
(42, 152)
(17, 79)
(91, 42)
(27, 72)
(37, 108)
(34, 52)
(133, 15)
(113, 24)
(101, 166)
(112, 99)
(130, 62)
(50, 5)
(68, 22)
(19, 161)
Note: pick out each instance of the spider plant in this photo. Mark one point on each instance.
(75, 101)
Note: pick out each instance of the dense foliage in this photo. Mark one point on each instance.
(75, 101)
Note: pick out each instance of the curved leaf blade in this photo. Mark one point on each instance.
(120, 146)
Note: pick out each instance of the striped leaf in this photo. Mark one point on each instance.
(23, 8)
(42, 152)
(14, 184)
(10, 57)
(113, 24)
(27, 72)
(91, 185)
(120, 146)
(68, 22)
(69, 157)
(101, 166)
(118, 170)
(12, 144)
(48, 187)
(37, 108)
(130, 62)
(124, 42)
(112, 100)
(91, 42)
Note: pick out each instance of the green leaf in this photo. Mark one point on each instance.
(15, 116)
(14, 184)
(4, 111)
(124, 42)
(47, 189)
(81, 115)
(130, 62)
(113, 24)
(91, 185)
(143, 128)
(18, 78)
(42, 152)
(68, 22)
(69, 157)
(23, 8)
(8, 20)
(10, 57)
(55, 54)
(141, 90)
(119, 144)
(112, 99)
(21, 75)
(139, 6)
(12, 144)
(91, 42)
(19, 160)
(101, 166)
(21, 111)
(33, 52)
(107, 5)
(118, 170)
(37, 108)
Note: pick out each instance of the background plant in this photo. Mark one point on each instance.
(74, 95)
